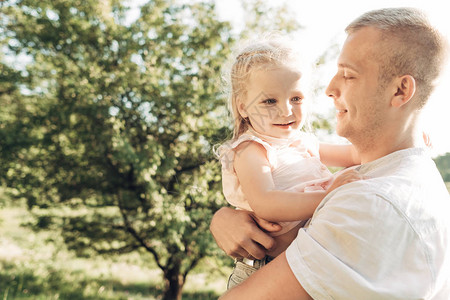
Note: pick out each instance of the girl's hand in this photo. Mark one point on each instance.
(427, 140)
(345, 177)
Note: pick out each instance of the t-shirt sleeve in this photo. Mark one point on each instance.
(359, 246)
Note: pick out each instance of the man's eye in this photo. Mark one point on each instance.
(269, 101)
(296, 99)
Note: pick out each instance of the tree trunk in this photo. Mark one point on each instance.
(173, 284)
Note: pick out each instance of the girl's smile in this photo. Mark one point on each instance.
(274, 102)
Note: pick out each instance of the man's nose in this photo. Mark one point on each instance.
(332, 90)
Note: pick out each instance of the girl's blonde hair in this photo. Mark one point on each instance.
(266, 52)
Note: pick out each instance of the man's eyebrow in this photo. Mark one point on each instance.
(348, 66)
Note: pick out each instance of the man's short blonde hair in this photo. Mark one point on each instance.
(409, 45)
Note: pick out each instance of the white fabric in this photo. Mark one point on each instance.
(295, 166)
(387, 237)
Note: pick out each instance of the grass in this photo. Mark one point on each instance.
(38, 266)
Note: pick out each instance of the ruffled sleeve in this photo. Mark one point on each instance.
(231, 187)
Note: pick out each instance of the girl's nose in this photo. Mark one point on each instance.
(285, 109)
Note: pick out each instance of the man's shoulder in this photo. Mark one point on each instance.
(415, 206)
(379, 228)
(404, 177)
(395, 189)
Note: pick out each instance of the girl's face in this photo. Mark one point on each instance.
(274, 102)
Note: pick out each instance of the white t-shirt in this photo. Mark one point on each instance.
(387, 237)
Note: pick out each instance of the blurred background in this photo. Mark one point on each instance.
(109, 111)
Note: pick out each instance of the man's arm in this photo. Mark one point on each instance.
(274, 281)
(237, 233)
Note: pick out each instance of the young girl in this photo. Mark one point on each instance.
(269, 166)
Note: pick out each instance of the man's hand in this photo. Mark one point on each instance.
(237, 233)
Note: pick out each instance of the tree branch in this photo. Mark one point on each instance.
(135, 234)
(170, 186)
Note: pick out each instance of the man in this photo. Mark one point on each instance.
(386, 237)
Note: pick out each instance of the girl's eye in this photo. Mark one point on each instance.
(269, 101)
(296, 99)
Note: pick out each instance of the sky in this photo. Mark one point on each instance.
(324, 22)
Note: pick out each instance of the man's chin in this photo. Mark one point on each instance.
(342, 132)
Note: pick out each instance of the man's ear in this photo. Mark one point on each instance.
(241, 108)
(406, 88)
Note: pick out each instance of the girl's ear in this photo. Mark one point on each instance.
(241, 108)
(406, 88)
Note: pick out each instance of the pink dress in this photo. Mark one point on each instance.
(295, 164)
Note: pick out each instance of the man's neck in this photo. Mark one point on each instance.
(371, 150)
(368, 156)
(403, 132)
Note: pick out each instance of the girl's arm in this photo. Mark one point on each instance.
(339, 155)
(254, 174)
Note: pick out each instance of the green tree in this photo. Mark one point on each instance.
(261, 17)
(115, 119)
(443, 164)
(107, 123)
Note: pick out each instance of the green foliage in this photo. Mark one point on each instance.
(115, 121)
(107, 123)
(261, 17)
(443, 165)
(37, 265)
